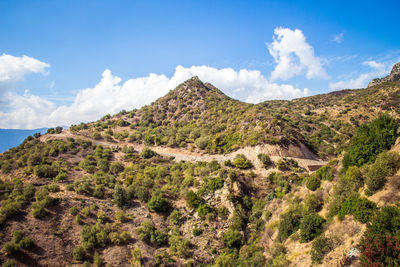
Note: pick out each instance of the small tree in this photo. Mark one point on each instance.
(119, 195)
(310, 227)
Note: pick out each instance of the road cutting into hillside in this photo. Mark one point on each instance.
(180, 154)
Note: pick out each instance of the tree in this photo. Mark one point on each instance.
(310, 227)
(119, 195)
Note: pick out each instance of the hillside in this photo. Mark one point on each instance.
(197, 178)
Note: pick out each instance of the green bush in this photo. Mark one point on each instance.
(9, 248)
(386, 164)
(203, 210)
(311, 226)
(147, 153)
(321, 246)
(232, 238)
(45, 171)
(313, 183)
(158, 203)
(370, 140)
(179, 246)
(26, 242)
(10, 263)
(149, 233)
(193, 200)
(325, 173)
(361, 208)
(116, 167)
(289, 222)
(265, 160)
(79, 253)
(312, 203)
(119, 195)
(197, 231)
(241, 162)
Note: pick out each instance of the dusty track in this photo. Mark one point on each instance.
(304, 157)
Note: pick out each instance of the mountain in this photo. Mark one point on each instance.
(12, 137)
(392, 77)
(198, 178)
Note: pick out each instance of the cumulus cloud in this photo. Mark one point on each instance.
(15, 68)
(293, 55)
(378, 70)
(338, 38)
(111, 95)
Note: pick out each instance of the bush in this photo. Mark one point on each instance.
(241, 162)
(119, 195)
(312, 203)
(147, 153)
(197, 231)
(265, 160)
(116, 167)
(79, 253)
(149, 233)
(203, 210)
(45, 171)
(232, 238)
(158, 203)
(361, 208)
(179, 246)
(386, 164)
(310, 227)
(313, 183)
(370, 140)
(289, 223)
(321, 246)
(10, 263)
(193, 200)
(379, 245)
(26, 242)
(9, 248)
(325, 173)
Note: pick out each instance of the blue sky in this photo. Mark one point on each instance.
(75, 49)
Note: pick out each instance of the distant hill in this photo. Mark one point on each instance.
(13, 137)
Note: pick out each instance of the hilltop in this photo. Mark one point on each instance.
(199, 178)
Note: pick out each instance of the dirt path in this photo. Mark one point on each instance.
(305, 159)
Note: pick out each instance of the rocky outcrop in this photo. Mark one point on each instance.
(392, 77)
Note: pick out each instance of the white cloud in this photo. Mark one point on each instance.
(379, 69)
(15, 68)
(111, 95)
(338, 38)
(293, 55)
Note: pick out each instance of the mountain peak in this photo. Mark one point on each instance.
(392, 77)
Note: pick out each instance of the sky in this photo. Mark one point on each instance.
(66, 62)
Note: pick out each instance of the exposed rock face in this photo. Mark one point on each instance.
(392, 77)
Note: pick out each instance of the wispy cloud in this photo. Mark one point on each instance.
(378, 69)
(338, 38)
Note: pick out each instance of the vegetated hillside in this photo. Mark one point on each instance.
(199, 117)
(199, 178)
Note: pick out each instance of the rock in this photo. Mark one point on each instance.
(392, 77)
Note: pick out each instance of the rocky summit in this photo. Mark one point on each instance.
(392, 77)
